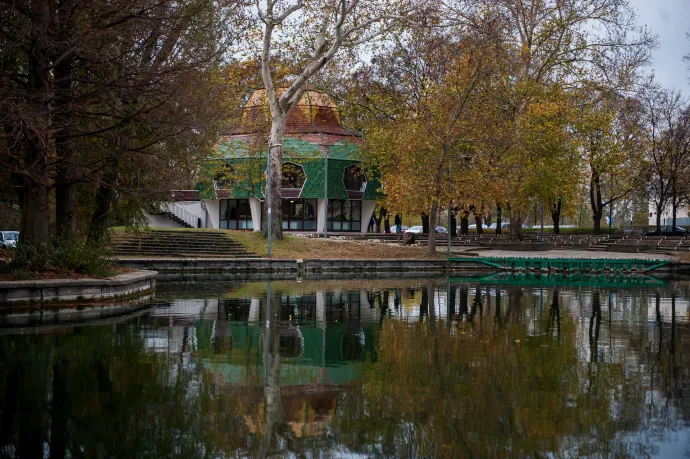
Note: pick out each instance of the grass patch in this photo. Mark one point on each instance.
(301, 247)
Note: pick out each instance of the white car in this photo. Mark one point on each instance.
(419, 230)
(8, 239)
(414, 230)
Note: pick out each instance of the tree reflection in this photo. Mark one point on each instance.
(317, 372)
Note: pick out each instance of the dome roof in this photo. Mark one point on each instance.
(316, 112)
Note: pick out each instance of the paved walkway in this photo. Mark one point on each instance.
(566, 254)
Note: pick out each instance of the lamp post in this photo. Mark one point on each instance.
(269, 210)
(542, 220)
(325, 195)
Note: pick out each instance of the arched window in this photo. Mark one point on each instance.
(293, 175)
(354, 179)
(224, 177)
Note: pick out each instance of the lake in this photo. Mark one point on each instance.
(482, 366)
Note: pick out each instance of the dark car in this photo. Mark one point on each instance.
(668, 231)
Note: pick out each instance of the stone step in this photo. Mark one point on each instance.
(175, 244)
(185, 244)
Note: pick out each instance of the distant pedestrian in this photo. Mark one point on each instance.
(372, 223)
(398, 224)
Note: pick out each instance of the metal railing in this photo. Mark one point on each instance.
(184, 215)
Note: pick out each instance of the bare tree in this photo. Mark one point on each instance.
(315, 31)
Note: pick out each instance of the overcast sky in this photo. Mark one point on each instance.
(670, 21)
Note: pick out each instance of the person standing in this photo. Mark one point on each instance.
(372, 222)
(398, 223)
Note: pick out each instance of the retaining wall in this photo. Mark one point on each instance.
(57, 290)
(240, 267)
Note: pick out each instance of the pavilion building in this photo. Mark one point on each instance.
(324, 185)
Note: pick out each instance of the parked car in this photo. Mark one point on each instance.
(668, 231)
(403, 229)
(8, 239)
(414, 230)
(419, 230)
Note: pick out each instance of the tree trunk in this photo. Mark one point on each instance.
(453, 225)
(425, 224)
(275, 162)
(35, 225)
(478, 224)
(596, 220)
(674, 207)
(464, 224)
(104, 197)
(387, 224)
(595, 201)
(499, 219)
(516, 219)
(65, 196)
(378, 220)
(658, 219)
(273, 398)
(556, 216)
(431, 247)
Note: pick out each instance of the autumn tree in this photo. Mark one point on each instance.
(430, 94)
(612, 137)
(585, 43)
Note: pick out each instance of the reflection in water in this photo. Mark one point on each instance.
(428, 368)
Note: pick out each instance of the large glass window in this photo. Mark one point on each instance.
(236, 214)
(299, 214)
(344, 215)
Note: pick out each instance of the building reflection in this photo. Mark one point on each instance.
(390, 369)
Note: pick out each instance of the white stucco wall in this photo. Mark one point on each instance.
(255, 207)
(320, 215)
(213, 211)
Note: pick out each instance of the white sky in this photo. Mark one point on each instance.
(670, 21)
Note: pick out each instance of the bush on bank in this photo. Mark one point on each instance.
(68, 257)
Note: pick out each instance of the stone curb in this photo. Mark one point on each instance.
(58, 290)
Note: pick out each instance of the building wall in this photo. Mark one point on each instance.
(213, 209)
(682, 218)
(255, 206)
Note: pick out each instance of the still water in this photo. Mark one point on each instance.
(500, 366)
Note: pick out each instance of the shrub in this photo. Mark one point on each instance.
(72, 256)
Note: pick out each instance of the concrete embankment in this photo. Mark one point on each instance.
(241, 269)
(46, 291)
(296, 267)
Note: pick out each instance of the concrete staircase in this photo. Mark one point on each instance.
(177, 244)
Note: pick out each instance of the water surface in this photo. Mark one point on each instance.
(498, 366)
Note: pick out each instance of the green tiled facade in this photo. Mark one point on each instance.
(305, 154)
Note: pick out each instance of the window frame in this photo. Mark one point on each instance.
(345, 221)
